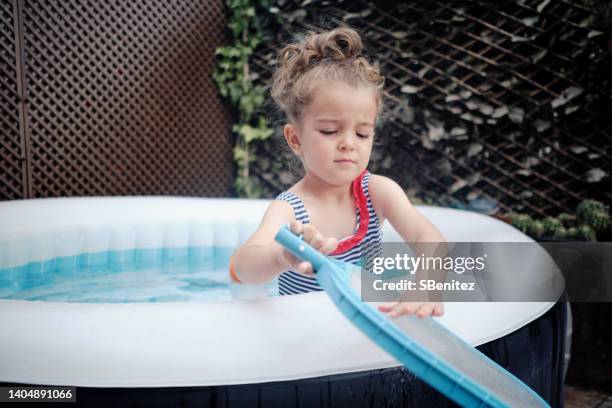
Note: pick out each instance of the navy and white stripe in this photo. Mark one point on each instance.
(293, 283)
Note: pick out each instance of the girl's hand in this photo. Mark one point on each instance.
(421, 309)
(315, 239)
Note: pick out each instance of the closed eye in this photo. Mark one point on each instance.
(331, 132)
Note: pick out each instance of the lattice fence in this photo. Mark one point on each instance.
(499, 102)
(12, 163)
(119, 99)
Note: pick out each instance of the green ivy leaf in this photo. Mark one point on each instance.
(242, 92)
(239, 154)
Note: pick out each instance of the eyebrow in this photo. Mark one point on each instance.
(338, 120)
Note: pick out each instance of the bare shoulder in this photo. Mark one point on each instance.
(279, 212)
(403, 216)
(381, 184)
(384, 191)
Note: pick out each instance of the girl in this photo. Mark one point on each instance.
(331, 96)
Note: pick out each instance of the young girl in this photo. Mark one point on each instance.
(331, 96)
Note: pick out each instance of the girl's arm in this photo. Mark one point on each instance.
(392, 203)
(261, 258)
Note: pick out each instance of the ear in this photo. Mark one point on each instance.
(292, 138)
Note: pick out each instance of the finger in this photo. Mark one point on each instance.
(425, 310)
(305, 268)
(317, 242)
(387, 306)
(309, 232)
(405, 308)
(329, 246)
(296, 227)
(439, 309)
(309, 269)
(289, 259)
(294, 263)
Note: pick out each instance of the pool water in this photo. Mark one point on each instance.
(132, 276)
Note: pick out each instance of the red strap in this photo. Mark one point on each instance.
(364, 217)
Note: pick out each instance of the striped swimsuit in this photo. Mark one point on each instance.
(351, 249)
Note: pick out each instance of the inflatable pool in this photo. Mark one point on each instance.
(220, 344)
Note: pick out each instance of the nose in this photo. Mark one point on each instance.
(346, 142)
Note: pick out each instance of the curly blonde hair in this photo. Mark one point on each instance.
(326, 56)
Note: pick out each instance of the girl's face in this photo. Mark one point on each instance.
(335, 132)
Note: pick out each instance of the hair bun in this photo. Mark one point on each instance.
(339, 45)
(330, 55)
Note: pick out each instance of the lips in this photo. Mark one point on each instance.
(344, 161)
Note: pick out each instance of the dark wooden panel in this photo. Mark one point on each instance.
(12, 166)
(121, 100)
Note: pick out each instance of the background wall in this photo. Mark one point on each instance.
(112, 98)
(489, 103)
(502, 102)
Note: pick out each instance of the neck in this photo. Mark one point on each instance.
(320, 189)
